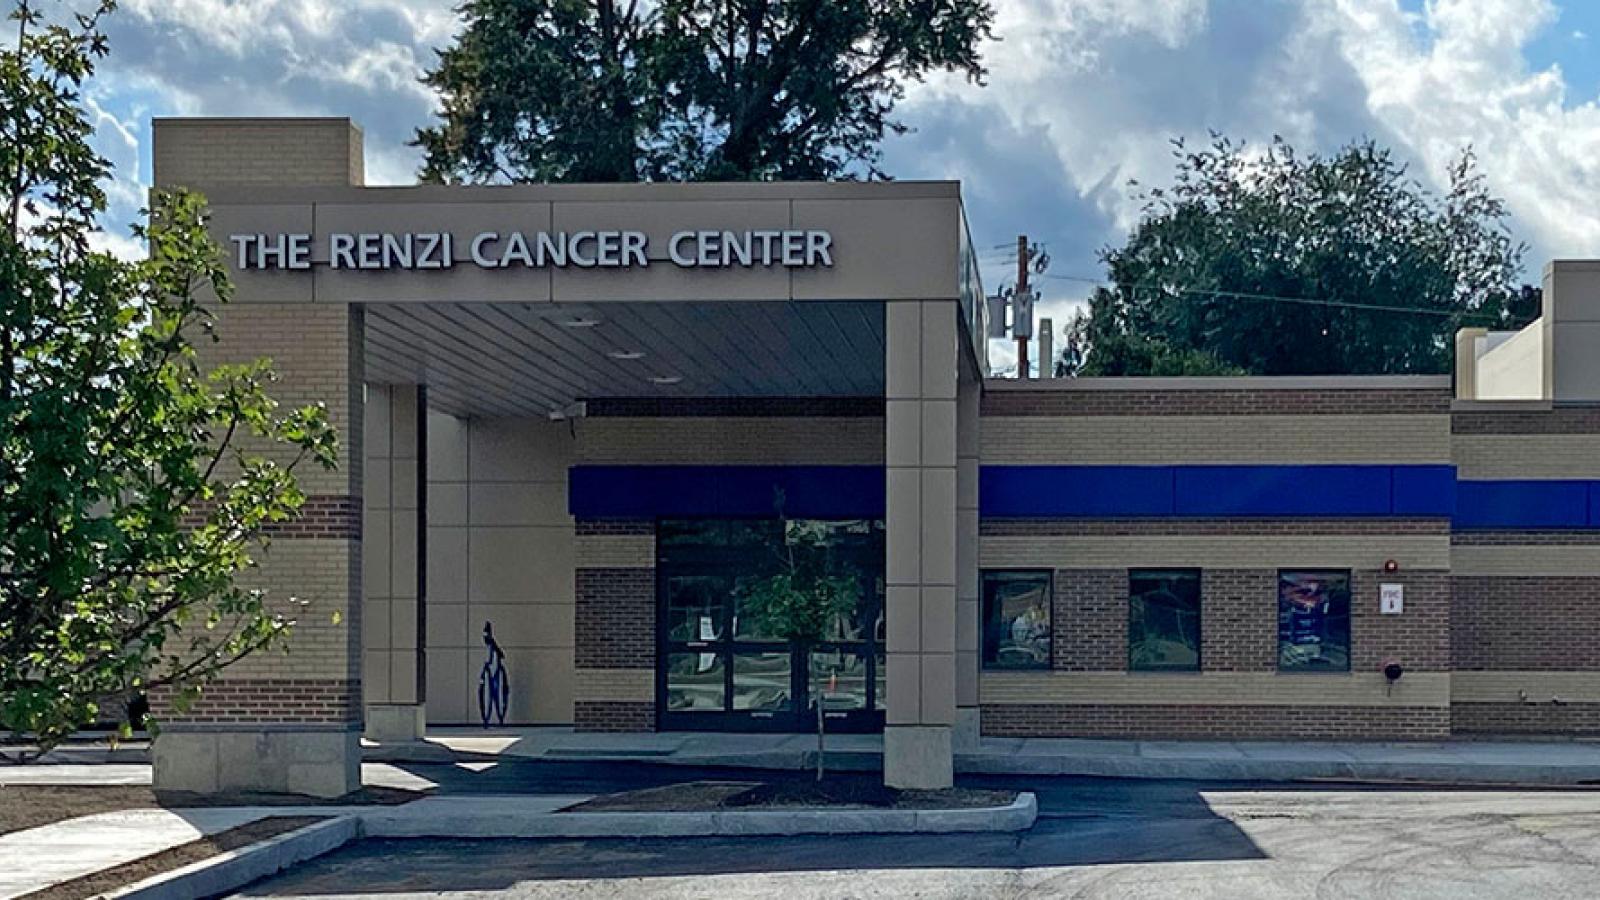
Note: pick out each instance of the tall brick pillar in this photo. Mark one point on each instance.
(920, 373)
(275, 722)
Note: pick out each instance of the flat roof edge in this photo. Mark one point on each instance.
(253, 120)
(1225, 383)
(630, 192)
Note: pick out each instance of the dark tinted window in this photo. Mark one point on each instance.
(1164, 620)
(1016, 620)
(1314, 621)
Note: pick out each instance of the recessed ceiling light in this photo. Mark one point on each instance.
(626, 354)
(666, 379)
(579, 322)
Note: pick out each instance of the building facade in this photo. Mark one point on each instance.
(594, 417)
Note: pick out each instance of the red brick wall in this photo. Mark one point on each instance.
(321, 516)
(1155, 402)
(608, 715)
(284, 700)
(1089, 620)
(1239, 633)
(1526, 623)
(1216, 722)
(1238, 620)
(616, 613)
(1544, 718)
(1559, 420)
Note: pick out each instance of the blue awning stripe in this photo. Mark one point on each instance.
(1190, 491)
(1204, 491)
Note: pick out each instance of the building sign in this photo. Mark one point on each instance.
(1391, 599)
(383, 251)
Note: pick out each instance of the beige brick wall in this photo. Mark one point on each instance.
(1524, 687)
(1170, 440)
(616, 685)
(1488, 456)
(316, 354)
(202, 153)
(614, 551)
(1219, 551)
(500, 549)
(327, 631)
(750, 440)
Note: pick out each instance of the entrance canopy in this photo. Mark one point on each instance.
(538, 359)
(524, 300)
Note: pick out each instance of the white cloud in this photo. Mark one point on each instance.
(1464, 80)
(1083, 96)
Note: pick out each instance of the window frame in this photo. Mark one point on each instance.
(985, 619)
(1200, 626)
(1349, 620)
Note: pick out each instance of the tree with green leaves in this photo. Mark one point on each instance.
(688, 90)
(128, 500)
(805, 599)
(1271, 262)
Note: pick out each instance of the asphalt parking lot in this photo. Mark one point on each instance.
(1095, 838)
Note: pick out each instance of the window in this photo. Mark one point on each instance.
(719, 669)
(1164, 620)
(1016, 620)
(1314, 621)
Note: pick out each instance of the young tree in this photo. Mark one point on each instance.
(594, 90)
(805, 600)
(1275, 263)
(128, 503)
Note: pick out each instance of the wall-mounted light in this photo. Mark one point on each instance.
(625, 354)
(579, 322)
(665, 379)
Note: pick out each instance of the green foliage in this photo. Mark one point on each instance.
(1386, 271)
(592, 90)
(127, 502)
(808, 596)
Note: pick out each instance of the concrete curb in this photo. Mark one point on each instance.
(229, 871)
(1017, 816)
(1279, 770)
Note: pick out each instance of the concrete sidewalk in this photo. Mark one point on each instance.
(1463, 762)
(36, 858)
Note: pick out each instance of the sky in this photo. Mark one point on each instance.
(1082, 98)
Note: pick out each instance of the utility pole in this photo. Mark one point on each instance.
(1021, 330)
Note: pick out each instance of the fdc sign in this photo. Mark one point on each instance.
(792, 249)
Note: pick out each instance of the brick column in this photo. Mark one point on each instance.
(920, 373)
(276, 722)
(392, 671)
(969, 624)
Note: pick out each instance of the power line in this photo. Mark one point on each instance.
(1279, 298)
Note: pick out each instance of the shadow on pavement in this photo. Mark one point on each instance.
(1083, 822)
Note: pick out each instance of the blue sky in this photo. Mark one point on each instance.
(1083, 97)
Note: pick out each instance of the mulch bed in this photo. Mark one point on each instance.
(31, 805)
(175, 858)
(840, 793)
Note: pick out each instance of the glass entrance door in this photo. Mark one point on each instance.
(716, 668)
